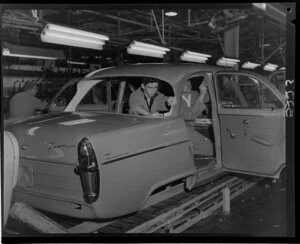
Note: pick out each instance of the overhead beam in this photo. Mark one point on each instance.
(157, 27)
(117, 18)
(177, 25)
(133, 22)
(21, 21)
(275, 51)
(274, 11)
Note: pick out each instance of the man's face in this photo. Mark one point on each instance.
(150, 89)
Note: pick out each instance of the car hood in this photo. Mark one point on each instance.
(56, 137)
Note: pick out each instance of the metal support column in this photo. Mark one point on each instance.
(263, 38)
(163, 26)
(231, 42)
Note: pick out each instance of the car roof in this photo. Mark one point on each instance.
(163, 71)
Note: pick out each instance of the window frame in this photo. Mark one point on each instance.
(84, 86)
(261, 80)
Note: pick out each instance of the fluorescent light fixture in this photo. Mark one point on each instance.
(31, 52)
(72, 37)
(171, 13)
(262, 6)
(249, 65)
(194, 57)
(145, 49)
(189, 53)
(150, 46)
(270, 67)
(144, 53)
(58, 28)
(140, 48)
(228, 62)
(79, 63)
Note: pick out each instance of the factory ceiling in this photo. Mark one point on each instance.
(197, 28)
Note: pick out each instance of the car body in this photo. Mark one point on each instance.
(10, 170)
(278, 79)
(104, 163)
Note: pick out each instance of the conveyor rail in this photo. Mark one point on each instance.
(173, 215)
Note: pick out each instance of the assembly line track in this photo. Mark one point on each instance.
(172, 215)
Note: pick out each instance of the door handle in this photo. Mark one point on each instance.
(232, 135)
(246, 121)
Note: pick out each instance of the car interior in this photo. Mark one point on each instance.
(203, 125)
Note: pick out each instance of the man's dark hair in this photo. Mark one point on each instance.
(148, 80)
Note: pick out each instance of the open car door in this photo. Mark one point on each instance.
(252, 123)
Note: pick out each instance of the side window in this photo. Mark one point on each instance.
(236, 91)
(244, 91)
(101, 97)
(133, 83)
(97, 95)
(269, 99)
(66, 95)
(278, 79)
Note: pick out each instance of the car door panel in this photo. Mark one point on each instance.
(252, 139)
(255, 148)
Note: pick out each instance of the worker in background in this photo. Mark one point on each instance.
(147, 100)
(191, 107)
(24, 103)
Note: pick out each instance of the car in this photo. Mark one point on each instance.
(278, 79)
(10, 170)
(94, 160)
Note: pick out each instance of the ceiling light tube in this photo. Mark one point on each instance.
(31, 52)
(72, 62)
(150, 46)
(249, 65)
(272, 65)
(69, 36)
(196, 54)
(230, 60)
(145, 53)
(226, 63)
(267, 68)
(72, 37)
(58, 28)
(139, 48)
(193, 59)
(171, 13)
(28, 56)
(71, 42)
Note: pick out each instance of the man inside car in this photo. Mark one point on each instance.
(147, 100)
(192, 107)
